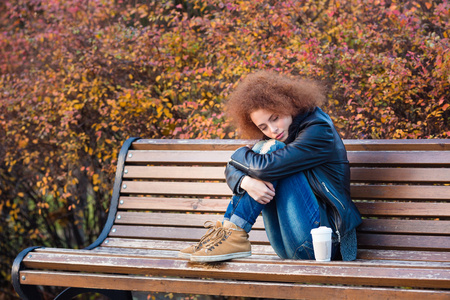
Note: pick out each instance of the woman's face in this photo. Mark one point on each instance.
(271, 124)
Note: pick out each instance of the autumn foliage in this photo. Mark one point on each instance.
(77, 77)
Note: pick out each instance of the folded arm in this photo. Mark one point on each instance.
(311, 148)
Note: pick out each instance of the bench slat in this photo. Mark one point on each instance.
(174, 233)
(174, 204)
(405, 226)
(176, 188)
(184, 157)
(398, 192)
(357, 174)
(407, 175)
(171, 172)
(404, 209)
(404, 242)
(397, 145)
(173, 254)
(222, 287)
(350, 145)
(403, 255)
(174, 219)
(170, 245)
(191, 144)
(355, 157)
(288, 271)
(397, 158)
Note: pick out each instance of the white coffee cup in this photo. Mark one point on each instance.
(322, 243)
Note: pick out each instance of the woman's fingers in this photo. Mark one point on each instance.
(270, 186)
(266, 194)
(261, 191)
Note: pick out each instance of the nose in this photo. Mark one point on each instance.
(273, 128)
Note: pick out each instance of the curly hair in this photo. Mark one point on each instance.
(273, 92)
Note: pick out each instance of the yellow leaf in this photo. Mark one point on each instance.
(95, 179)
(167, 113)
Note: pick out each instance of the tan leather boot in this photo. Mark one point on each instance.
(230, 242)
(206, 238)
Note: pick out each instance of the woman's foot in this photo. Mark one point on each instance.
(188, 251)
(229, 241)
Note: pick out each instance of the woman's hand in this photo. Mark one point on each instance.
(261, 191)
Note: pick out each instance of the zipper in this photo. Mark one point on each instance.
(326, 188)
(335, 223)
(335, 211)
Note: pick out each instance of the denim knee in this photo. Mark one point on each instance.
(267, 146)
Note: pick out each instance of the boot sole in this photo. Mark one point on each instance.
(213, 258)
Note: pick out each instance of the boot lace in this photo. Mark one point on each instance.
(206, 238)
(220, 235)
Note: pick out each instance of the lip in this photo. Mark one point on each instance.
(280, 136)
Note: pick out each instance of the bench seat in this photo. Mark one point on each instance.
(165, 190)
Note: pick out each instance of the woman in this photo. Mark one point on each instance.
(298, 176)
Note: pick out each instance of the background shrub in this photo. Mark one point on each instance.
(79, 77)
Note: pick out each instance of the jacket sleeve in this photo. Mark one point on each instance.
(234, 178)
(312, 147)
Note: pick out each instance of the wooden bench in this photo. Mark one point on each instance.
(165, 190)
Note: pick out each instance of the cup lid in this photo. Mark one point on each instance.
(321, 230)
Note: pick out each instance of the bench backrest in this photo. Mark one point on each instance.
(169, 188)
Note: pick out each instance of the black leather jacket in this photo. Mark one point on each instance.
(315, 148)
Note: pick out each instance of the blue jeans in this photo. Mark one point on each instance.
(288, 218)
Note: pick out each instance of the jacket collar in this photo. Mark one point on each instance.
(293, 128)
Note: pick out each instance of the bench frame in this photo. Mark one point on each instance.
(28, 292)
(261, 289)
